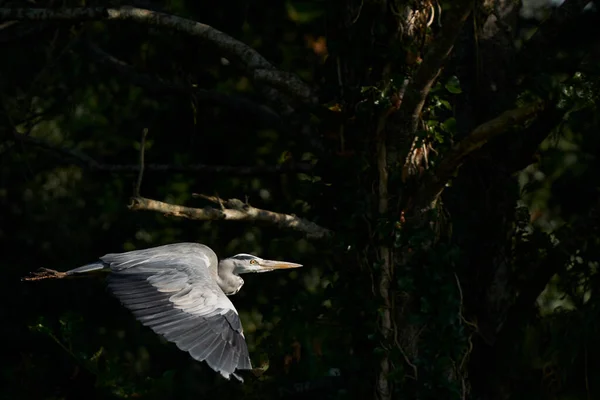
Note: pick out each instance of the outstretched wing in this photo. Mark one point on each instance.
(178, 298)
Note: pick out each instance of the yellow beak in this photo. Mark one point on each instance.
(269, 265)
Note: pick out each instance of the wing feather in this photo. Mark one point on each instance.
(178, 299)
(227, 359)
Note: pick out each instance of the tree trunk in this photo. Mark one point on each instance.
(378, 52)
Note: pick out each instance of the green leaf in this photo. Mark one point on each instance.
(449, 125)
(432, 123)
(445, 104)
(435, 88)
(453, 85)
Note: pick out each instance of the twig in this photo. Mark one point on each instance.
(461, 306)
(85, 161)
(235, 210)
(138, 184)
(468, 351)
(213, 199)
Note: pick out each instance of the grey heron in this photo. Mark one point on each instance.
(180, 292)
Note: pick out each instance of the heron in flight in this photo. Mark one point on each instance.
(180, 291)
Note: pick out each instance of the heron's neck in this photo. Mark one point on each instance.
(228, 282)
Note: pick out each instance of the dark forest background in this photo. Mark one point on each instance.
(503, 284)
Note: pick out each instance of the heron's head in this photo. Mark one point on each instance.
(246, 263)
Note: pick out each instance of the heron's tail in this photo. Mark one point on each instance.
(45, 273)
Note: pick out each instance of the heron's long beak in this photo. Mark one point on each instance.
(269, 265)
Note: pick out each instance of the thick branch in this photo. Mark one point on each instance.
(233, 210)
(433, 186)
(286, 82)
(155, 84)
(523, 150)
(233, 49)
(87, 162)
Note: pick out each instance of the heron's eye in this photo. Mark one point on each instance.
(253, 262)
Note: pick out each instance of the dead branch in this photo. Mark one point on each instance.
(434, 184)
(243, 55)
(72, 155)
(233, 210)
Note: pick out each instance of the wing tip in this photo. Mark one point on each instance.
(228, 375)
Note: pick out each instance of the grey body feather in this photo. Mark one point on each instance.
(179, 292)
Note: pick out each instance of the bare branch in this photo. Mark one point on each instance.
(234, 210)
(85, 161)
(434, 184)
(245, 56)
(263, 114)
